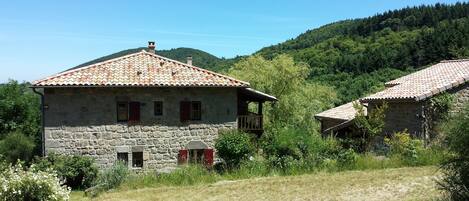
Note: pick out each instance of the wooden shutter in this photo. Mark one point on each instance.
(182, 156)
(185, 111)
(134, 111)
(208, 157)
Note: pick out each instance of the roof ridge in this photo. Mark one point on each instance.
(197, 68)
(86, 67)
(454, 60)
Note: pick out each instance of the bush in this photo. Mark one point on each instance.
(19, 184)
(79, 172)
(108, 179)
(114, 176)
(233, 147)
(402, 144)
(17, 146)
(456, 167)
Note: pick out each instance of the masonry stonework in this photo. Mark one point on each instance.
(83, 121)
(402, 116)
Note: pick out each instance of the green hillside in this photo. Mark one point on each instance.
(357, 56)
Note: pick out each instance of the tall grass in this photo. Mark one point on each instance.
(189, 175)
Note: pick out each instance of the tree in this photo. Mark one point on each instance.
(298, 101)
(456, 167)
(370, 124)
(19, 109)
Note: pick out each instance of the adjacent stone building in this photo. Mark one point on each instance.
(408, 100)
(146, 110)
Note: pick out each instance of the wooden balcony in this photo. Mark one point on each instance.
(250, 123)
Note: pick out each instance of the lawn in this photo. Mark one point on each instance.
(412, 183)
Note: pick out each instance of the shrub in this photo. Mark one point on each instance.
(79, 172)
(456, 167)
(284, 145)
(19, 184)
(347, 158)
(402, 144)
(233, 147)
(108, 179)
(114, 176)
(17, 146)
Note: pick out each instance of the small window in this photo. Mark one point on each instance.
(196, 110)
(158, 108)
(137, 159)
(124, 157)
(128, 111)
(122, 111)
(196, 156)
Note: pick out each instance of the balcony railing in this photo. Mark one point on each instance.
(250, 122)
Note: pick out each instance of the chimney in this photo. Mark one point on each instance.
(151, 46)
(189, 60)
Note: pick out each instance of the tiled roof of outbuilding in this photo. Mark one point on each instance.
(425, 83)
(342, 112)
(138, 70)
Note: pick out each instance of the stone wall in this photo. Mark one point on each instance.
(402, 116)
(461, 97)
(84, 122)
(414, 116)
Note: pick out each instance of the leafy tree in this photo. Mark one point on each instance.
(370, 124)
(456, 167)
(298, 101)
(19, 110)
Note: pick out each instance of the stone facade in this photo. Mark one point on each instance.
(402, 116)
(83, 121)
(414, 117)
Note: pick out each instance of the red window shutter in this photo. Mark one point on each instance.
(208, 157)
(182, 156)
(185, 111)
(134, 111)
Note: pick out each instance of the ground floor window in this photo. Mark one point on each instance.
(196, 156)
(123, 157)
(137, 159)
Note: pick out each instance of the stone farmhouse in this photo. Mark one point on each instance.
(144, 109)
(408, 100)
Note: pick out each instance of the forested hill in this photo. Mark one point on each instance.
(200, 58)
(357, 56)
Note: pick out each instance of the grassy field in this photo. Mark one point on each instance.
(416, 183)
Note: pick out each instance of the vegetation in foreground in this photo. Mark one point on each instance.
(417, 183)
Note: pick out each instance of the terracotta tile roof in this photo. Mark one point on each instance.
(139, 69)
(425, 83)
(343, 112)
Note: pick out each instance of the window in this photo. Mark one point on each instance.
(196, 156)
(124, 157)
(122, 111)
(137, 159)
(128, 111)
(196, 110)
(191, 110)
(158, 108)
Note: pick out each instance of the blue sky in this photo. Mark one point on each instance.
(39, 38)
